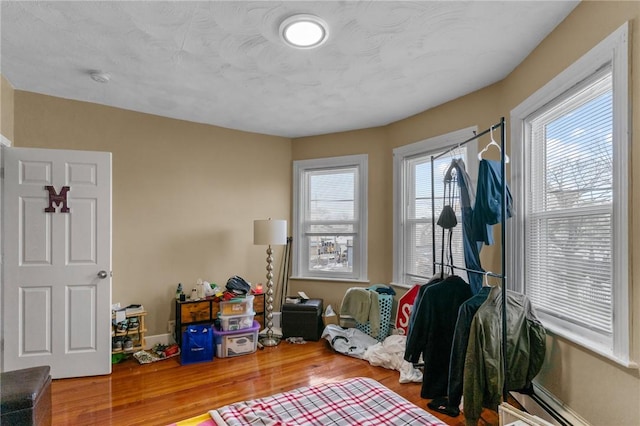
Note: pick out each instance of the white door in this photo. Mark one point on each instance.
(57, 265)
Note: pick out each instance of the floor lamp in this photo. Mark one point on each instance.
(269, 232)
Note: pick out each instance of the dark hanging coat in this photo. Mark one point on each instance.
(436, 320)
(468, 309)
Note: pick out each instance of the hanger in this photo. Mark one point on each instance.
(490, 144)
(486, 279)
(457, 152)
(448, 174)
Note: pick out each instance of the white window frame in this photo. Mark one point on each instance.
(614, 50)
(300, 248)
(427, 147)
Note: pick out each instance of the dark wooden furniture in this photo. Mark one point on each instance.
(205, 311)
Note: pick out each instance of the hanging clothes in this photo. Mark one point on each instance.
(449, 405)
(487, 210)
(415, 335)
(484, 374)
(436, 320)
(470, 245)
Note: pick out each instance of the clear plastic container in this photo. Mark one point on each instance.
(237, 306)
(236, 322)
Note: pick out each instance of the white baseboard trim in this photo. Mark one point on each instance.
(562, 409)
(163, 339)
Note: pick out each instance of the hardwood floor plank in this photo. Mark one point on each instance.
(165, 392)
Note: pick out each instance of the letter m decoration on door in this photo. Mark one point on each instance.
(59, 199)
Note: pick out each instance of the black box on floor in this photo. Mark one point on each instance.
(302, 319)
(25, 397)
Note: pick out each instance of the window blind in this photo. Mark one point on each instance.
(331, 225)
(419, 254)
(568, 233)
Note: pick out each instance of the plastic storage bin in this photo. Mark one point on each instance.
(237, 306)
(236, 322)
(234, 343)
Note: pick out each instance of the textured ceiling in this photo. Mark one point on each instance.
(223, 63)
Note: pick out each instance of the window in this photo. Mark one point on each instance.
(330, 218)
(571, 145)
(413, 213)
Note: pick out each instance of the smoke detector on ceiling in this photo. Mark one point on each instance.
(304, 31)
(99, 76)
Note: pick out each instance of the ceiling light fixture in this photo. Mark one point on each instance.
(304, 31)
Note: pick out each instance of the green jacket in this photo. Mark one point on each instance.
(483, 368)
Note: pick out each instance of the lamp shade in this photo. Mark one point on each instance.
(269, 231)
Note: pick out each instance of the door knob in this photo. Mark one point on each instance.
(102, 275)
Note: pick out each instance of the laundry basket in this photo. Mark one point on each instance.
(386, 303)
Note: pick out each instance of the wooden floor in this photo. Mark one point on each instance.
(165, 392)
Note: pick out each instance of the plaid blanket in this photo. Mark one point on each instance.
(358, 401)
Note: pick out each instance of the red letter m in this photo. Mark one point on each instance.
(55, 198)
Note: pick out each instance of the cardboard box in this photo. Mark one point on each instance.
(331, 319)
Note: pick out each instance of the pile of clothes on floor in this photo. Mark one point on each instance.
(370, 339)
(388, 353)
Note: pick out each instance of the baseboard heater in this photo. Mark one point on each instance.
(545, 406)
(538, 402)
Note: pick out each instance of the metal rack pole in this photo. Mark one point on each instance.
(503, 221)
(490, 274)
(433, 216)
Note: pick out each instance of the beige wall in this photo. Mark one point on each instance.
(6, 108)
(184, 195)
(217, 181)
(598, 390)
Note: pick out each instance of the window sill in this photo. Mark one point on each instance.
(328, 279)
(401, 285)
(589, 346)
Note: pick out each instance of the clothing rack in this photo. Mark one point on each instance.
(503, 160)
(487, 273)
(500, 125)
